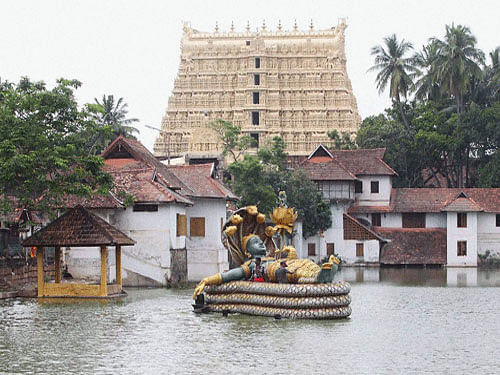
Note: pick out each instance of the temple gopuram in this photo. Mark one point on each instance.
(292, 84)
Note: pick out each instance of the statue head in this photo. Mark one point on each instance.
(254, 246)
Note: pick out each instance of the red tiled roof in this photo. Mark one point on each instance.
(198, 182)
(357, 209)
(78, 227)
(413, 246)
(436, 199)
(354, 230)
(461, 203)
(326, 171)
(140, 183)
(141, 153)
(364, 161)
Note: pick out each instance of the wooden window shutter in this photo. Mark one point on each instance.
(311, 249)
(360, 250)
(330, 248)
(181, 225)
(197, 227)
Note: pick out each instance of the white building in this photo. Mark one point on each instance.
(443, 226)
(175, 219)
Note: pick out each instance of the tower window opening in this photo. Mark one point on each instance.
(256, 79)
(257, 62)
(255, 118)
(256, 98)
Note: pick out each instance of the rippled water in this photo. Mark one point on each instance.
(403, 321)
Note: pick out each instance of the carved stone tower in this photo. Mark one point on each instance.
(288, 83)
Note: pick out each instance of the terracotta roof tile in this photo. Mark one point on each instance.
(435, 199)
(364, 161)
(199, 183)
(413, 246)
(330, 170)
(78, 227)
(358, 209)
(354, 230)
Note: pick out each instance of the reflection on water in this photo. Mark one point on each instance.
(418, 276)
(403, 321)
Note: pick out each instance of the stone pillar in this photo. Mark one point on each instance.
(39, 268)
(118, 260)
(104, 283)
(57, 261)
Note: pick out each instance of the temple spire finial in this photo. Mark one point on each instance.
(232, 26)
(279, 26)
(248, 26)
(311, 26)
(263, 25)
(295, 27)
(216, 26)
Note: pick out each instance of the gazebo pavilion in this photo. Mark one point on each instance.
(78, 228)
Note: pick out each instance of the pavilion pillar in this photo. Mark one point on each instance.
(118, 252)
(104, 262)
(39, 270)
(57, 261)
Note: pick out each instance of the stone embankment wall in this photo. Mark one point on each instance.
(16, 273)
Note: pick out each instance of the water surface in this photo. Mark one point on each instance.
(403, 321)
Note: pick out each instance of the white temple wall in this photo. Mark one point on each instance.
(467, 234)
(382, 198)
(206, 255)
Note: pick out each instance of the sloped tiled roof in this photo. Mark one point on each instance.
(358, 209)
(354, 230)
(199, 183)
(436, 199)
(326, 171)
(141, 153)
(462, 203)
(413, 246)
(80, 228)
(364, 161)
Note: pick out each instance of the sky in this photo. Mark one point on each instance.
(131, 49)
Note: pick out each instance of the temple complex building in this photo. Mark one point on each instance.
(292, 84)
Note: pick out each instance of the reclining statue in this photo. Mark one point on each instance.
(247, 239)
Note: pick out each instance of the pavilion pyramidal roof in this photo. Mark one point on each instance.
(79, 228)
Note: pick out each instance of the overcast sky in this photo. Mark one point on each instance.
(131, 49)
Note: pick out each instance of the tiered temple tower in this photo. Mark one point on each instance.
(288, 83)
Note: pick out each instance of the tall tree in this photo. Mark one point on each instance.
(115, 115)
(426, 87)
(44, 145)
(394, 70)
(457, 62)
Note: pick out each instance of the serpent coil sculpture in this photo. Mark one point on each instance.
(306, 292)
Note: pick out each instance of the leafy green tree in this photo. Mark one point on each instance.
(341, 141)
(45, 145)
(394, 70)
(259, 178)
(233, 142)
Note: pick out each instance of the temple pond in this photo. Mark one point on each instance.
(403, 321)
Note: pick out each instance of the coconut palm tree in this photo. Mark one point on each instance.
(457, 63)
(394, 70)
(115, 115)
(426, 87)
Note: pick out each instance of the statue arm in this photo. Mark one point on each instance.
(239, 273)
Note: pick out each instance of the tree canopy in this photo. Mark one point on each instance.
(46, 145)
(446, 131)
(259, 178)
